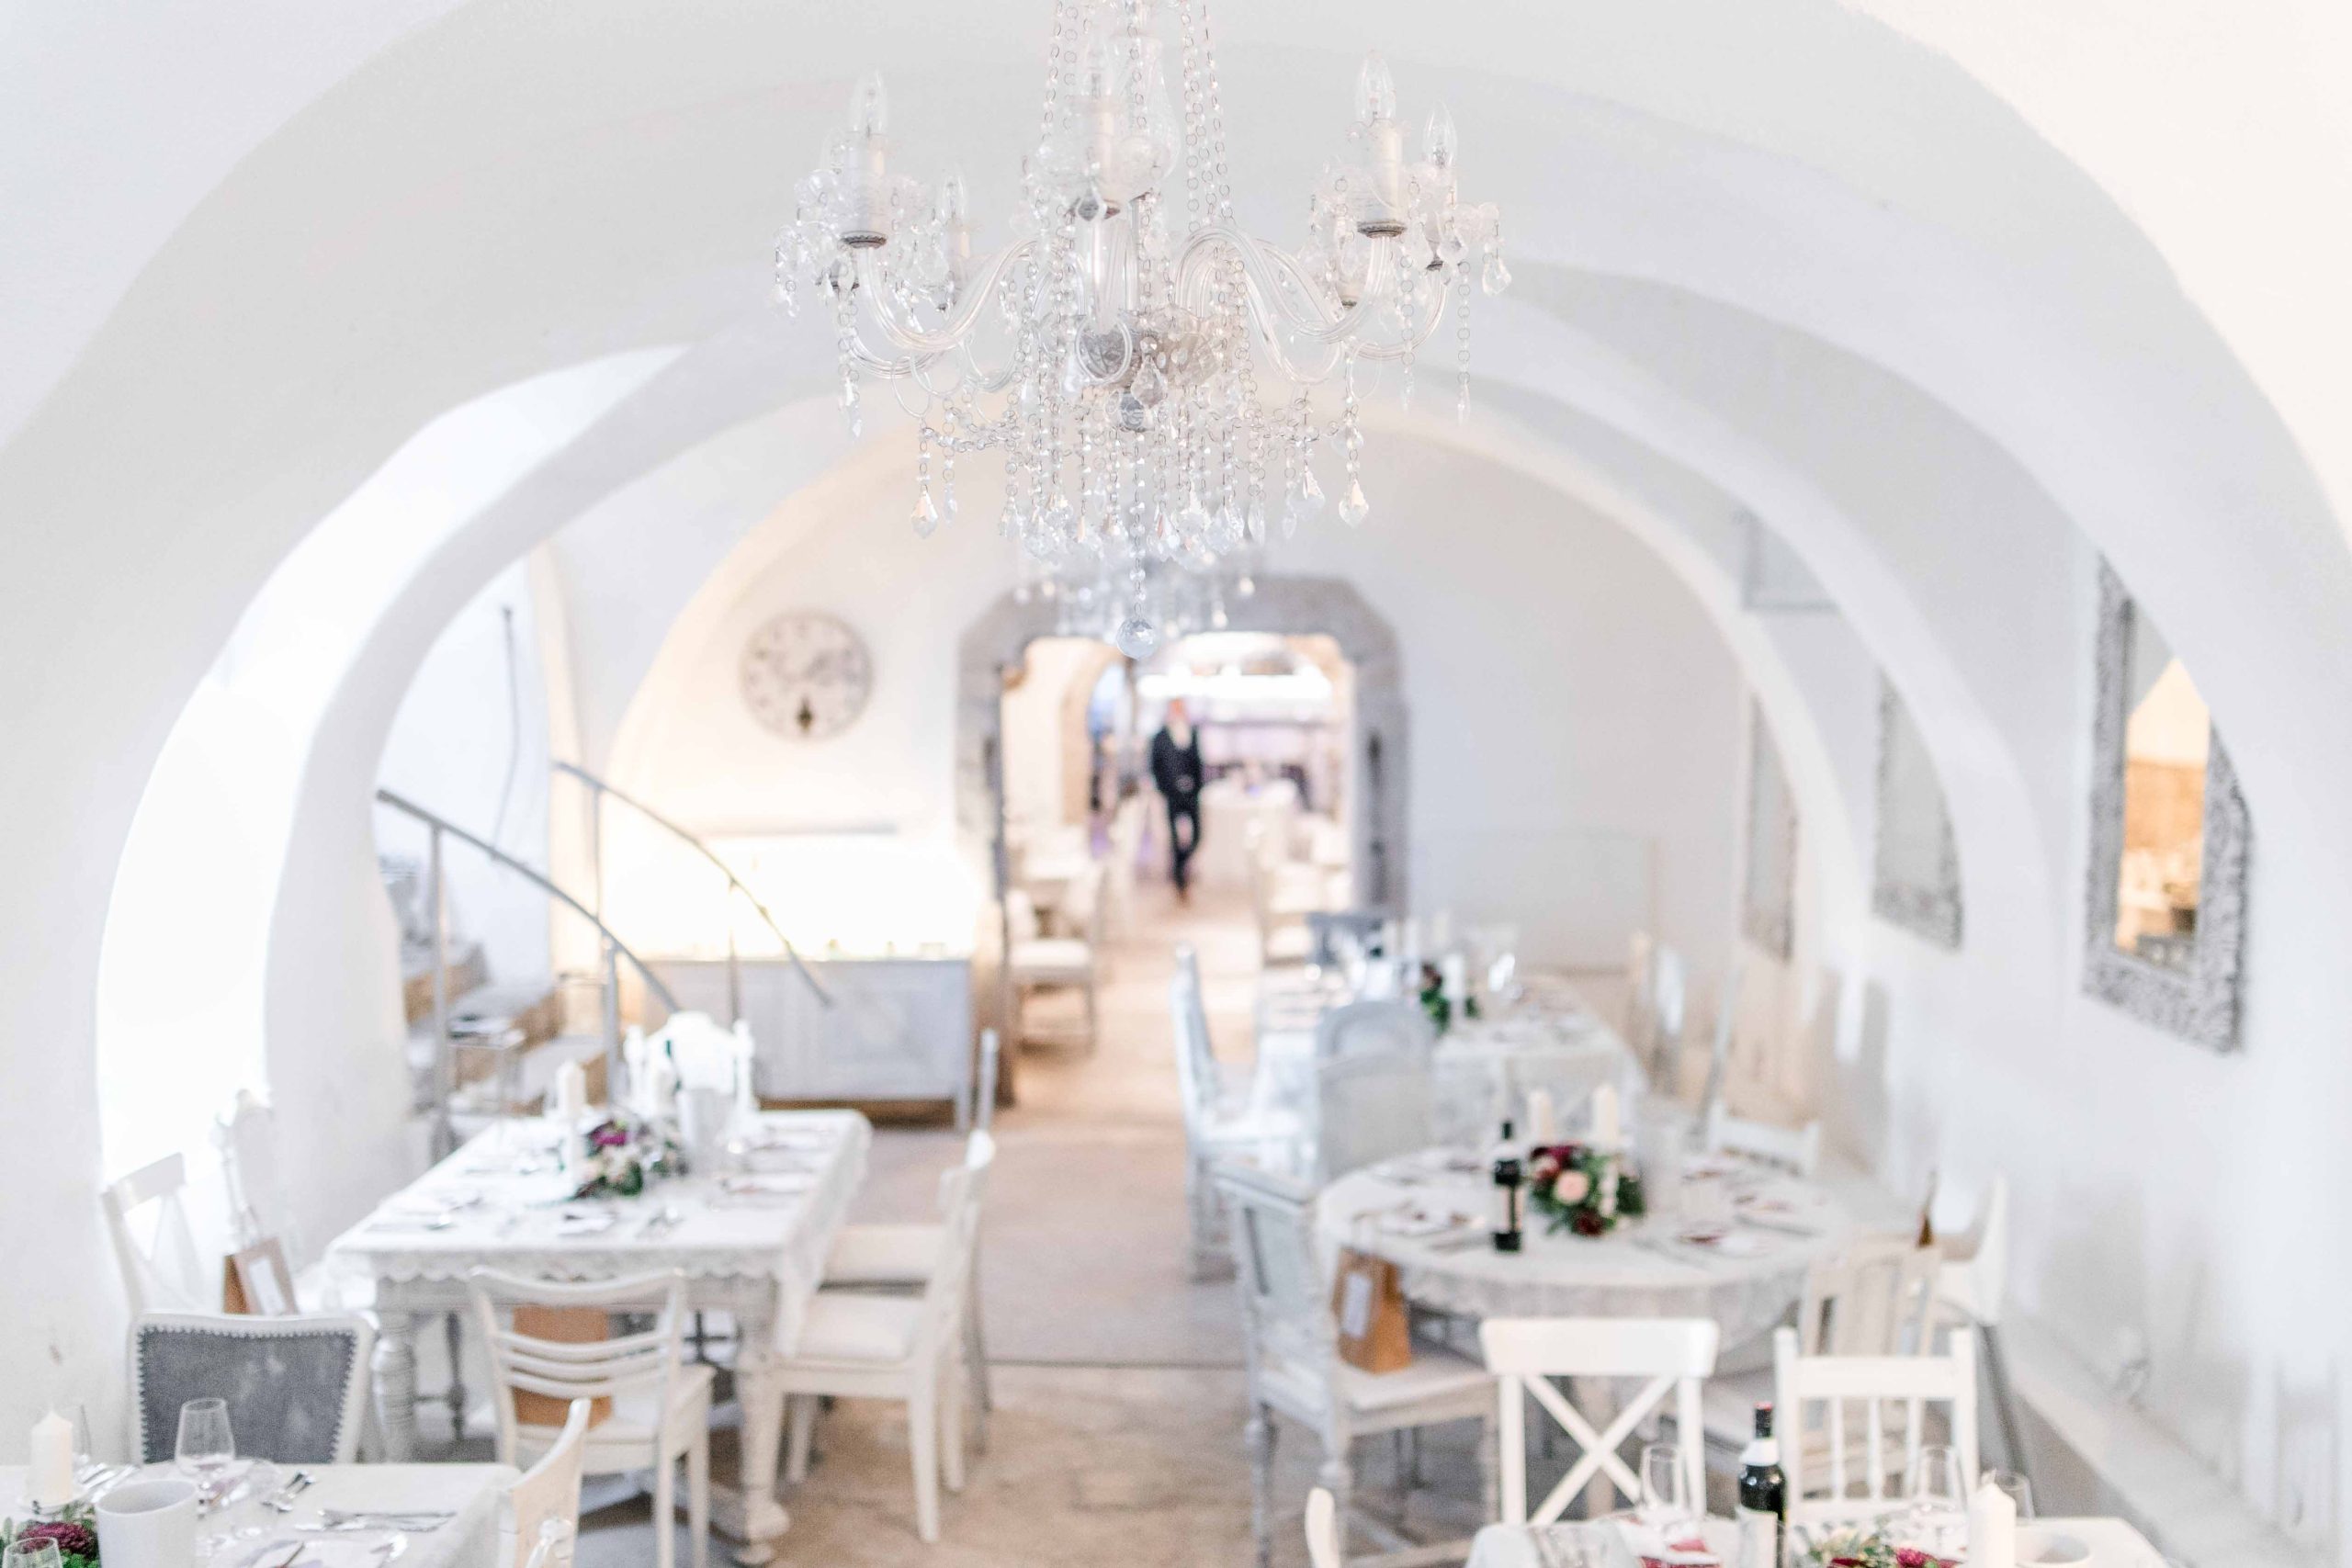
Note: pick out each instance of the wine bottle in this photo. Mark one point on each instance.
(1763, 1498)
(1510, 1195)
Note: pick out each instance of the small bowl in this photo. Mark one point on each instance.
(2040, 1547)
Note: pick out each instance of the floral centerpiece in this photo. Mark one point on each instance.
(625, 1153)
(1870, 1548)
(1437, 1004)
(74, 1531)
(1583, 1188)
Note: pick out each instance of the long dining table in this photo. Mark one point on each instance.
(751, 1243)
(2112, 1543)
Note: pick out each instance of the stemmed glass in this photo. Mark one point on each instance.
(206, 1448)
(32, 1554)
(1938, 1496)
(1666, 1491)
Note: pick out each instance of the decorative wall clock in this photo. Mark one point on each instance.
(807, 675)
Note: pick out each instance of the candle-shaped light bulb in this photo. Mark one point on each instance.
(1096, 79)
(951, 200)
(1437, 142)
(1375, 90)
(869, 107)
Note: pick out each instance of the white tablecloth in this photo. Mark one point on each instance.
(1640, 1270)
(2113, 1544)
(471, 1491)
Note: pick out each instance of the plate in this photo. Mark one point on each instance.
(2051, 1549)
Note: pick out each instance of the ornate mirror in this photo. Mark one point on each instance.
(2166, 908)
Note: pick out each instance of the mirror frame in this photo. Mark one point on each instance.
(2199, 1003)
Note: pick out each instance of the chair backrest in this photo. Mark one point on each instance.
(297, 1387)
(1839, 1469)
(645, 1361)
(161, 1271)
(247, 1138)
(1672, 1355)
(962, 1191)
(1090, 908)
(1322, 1530)
(1791, 1148)
(1195, 1062)
(1285, 1305)
(1020, 915)
(984, 1082)
(1711, 1097)
(1372, 1028)
(1876, 1298)
(540, 1514)
(1329, 932)
(1977, 1262)
(1369, 1108)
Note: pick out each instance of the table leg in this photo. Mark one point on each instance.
(751, 1513)
(396, 1384)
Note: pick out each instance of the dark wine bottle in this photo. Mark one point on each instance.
(1763, 1499)
(1510, 1195)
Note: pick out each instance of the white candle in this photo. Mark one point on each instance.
(1606, 1132)
(1457, 976)
(570, 1093)
(1543, 1118)
(1991, 1529)
(49, 1480)
(1441, 930)
(1413, 940)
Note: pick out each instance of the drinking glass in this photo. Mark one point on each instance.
(206, 1448)
(2019, 1489)
(1938, 1512)
(1665, 1488)
(32, 1554)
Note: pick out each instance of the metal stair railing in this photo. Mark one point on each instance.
(445, 1072)
(598, 789)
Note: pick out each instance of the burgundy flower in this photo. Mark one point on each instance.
(73, 1539)
(611, 1135)
(1589, 1223)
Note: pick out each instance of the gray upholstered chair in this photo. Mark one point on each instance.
(297, 1386)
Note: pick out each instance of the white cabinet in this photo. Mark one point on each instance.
(899, 1028)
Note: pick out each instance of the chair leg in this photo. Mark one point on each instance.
(665, 1513)
(1259, 1435)
(1337, 1477)
(950, 1423)
(698, 1495)
(803, 1429)
(922, 1445)
(976, 1356)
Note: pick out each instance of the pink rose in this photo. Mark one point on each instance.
(1573, 1187)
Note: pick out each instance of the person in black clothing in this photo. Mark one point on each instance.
(1176, 769)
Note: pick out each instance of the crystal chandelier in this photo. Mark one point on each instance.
(1143, 368)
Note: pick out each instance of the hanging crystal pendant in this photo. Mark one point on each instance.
(926, 516)
(1353, 507)
(1256, 526)
(1306, 501)
(1136, 638)
(1497, 278)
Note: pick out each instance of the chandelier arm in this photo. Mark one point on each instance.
(952, 332)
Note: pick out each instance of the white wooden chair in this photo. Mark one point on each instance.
(902, 1258)
(1841, 1472)
(1293, 1364)
(1790, 1148)
(1038, 960)
(661, 1410)
(1222, 1113)
(1675, 1355)
(539, 1519)
(1875, 1298)
(857, 1345)
(161, 1271)
(1374, 1028)
(981, 1114)
(1370, 1108)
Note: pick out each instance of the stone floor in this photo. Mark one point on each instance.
(1117, 1435)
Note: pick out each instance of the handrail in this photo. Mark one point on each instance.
(734, 883)
(444, 825)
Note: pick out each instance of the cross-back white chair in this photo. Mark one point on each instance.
(902, 1258)
(1293, 1366)
(161, 1270)
(1674, 1355)
(1840, 1469)
(1791, 1148)
(1669, 999)
(1374, 1028)
(856, 1345)
(1036, 959)
(247, 1139)
(661, 1409)
(539, 1519)
(1223, 1115)
(1369, 1108)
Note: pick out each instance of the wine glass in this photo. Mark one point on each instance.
(1939, 1497)
(206, 1448)
(1666, 1489)
(32, 1554)
(2018, 1489)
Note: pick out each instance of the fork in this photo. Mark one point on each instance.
(282, 1500)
